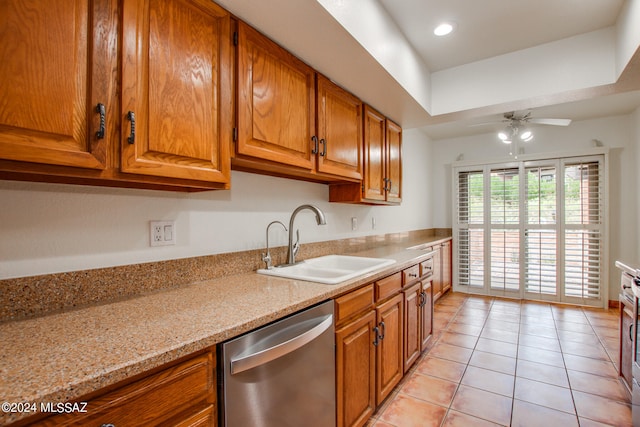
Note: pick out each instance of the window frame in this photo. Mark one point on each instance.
(559, 161)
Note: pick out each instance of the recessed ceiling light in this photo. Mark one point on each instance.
(443, 29)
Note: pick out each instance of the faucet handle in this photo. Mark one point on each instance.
(266, 258)
(296, 245)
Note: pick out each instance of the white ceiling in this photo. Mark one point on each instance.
(488, 28)
(384, 52)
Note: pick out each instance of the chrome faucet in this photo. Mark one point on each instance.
(295, 247)
(267, 257)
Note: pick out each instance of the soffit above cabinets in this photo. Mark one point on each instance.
(568, 54)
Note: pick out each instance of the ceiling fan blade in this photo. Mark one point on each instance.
(552, 122)
(497, 122)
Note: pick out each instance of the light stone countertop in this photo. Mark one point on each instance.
(61, 357)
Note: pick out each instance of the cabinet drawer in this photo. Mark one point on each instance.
(426, 267)
(179, 393)
(410, 275)
(388, 286)
(354, 303)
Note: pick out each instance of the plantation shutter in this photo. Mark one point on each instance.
(535, 230)
(541, 230)
(470, 221)
(505, 229)
(583, 203)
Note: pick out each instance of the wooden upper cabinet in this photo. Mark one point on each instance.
(374, 154)
(339, 133)
(276, 102)
(48, 90)
(382, 164)
(176, 89)
(291, 121)
(394, 162)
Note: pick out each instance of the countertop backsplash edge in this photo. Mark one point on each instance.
(34, 296)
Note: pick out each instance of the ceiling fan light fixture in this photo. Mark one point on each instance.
(526, 135)
(506, 135)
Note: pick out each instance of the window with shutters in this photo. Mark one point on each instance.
(471, 228)
(531, 229)
(505, 229)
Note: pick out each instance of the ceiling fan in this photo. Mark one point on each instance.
(517, 125)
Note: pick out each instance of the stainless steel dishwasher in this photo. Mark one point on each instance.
(282, 374)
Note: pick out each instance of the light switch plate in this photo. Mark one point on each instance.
(162, 233)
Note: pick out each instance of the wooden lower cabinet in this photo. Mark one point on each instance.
(445, 263)
(418, 309)
(437, 273)
(426, 315)
(418, 321)
(381, 330)
(180, 395)
(389, 348)
(369, 348)
(627, 333)
(412, 341)
(355, 370)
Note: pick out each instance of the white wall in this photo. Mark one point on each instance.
(48, 228)
(574, 63)
(621, 134)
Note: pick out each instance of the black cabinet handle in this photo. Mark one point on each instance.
(101, 110)
(132, 135)
(314, 150)
(382, 329)
(387, 184)
(631, 332)
(324, 147)
(376, 332)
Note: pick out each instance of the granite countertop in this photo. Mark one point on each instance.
(627, 269)
(62, 357)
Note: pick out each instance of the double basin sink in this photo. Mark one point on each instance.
(329, 269)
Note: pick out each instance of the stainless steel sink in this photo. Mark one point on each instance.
(330, 269)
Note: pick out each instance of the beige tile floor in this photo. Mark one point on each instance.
(497, 362)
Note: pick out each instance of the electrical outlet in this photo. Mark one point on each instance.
(354, 223)
(373, 222)
(162, 233)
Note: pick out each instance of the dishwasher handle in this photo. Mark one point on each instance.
(250, 361)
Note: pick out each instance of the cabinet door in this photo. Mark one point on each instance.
(339, 131)
(184, 394)
(626, 345)
(446, 266)
(374, 155)
(426, 315)
(412, 339)
(355, 371)
(394, 162)
(437, 273)
(176, 80)
(389, 368)
(48, 94)
(276, 102)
